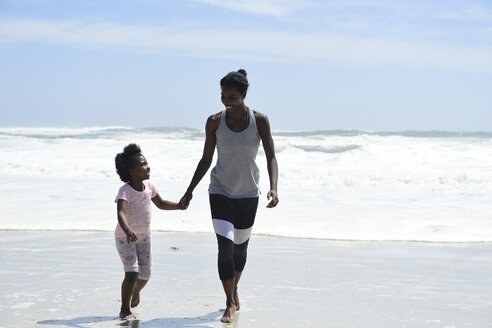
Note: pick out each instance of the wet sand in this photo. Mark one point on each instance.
(72, 279)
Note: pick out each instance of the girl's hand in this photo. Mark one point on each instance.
(181, 206)
(185, 200)
(131, 237)
(273, 195)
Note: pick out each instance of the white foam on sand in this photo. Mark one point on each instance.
(74, 281)
(22, 305)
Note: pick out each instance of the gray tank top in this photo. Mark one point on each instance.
(236, 175)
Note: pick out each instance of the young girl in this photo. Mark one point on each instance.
(132, 233)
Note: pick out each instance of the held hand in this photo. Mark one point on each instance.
(185, 200)
(273, 195)
(181, 205)
(131, 237)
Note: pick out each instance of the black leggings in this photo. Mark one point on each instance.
(233, 221)
(232, 257)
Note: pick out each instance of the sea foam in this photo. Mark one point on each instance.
(342, 184)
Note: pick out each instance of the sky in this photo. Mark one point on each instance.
(312, 64)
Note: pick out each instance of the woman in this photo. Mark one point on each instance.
(234, 188)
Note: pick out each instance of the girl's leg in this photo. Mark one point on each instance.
(140, 284)
(144, 254)
(127, 288)
(128, 255)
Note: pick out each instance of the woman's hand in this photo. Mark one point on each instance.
(273, 195)
(185, 200)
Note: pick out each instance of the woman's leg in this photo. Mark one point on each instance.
(225, 264)
(240, 254)
(233, 221)
(228, 315)
(243, 226)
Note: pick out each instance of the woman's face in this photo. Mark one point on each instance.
(232, 98)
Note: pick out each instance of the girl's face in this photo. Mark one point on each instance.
(232, 98)
(141, 171)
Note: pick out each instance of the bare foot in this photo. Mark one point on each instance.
(126, 314)
(228, 314)
(135, 300)
(236, 299)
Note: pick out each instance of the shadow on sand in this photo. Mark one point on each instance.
(196, 322)
(76, 322)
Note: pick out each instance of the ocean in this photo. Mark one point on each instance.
(426, 186)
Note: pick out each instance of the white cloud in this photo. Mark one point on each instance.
(264, 46)
(271, 7)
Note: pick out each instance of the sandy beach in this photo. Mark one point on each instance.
(72, 279)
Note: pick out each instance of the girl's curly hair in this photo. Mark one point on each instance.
(126, 160)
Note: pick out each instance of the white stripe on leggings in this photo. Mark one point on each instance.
(226, 229)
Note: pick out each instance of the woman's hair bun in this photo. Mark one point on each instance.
(236, 79)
